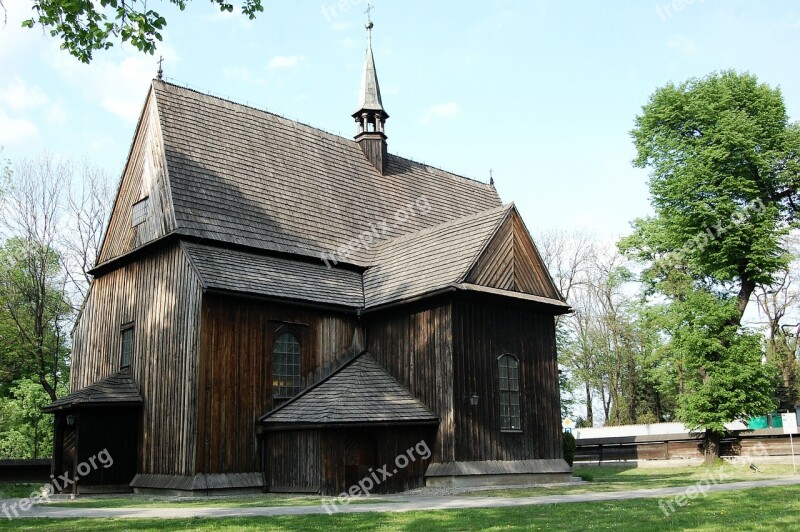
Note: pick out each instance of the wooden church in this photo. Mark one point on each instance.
(282, 309)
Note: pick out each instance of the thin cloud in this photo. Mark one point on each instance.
(118, 86)
(243, 74)
(19, 96)
(285, 61)
(447, 110)
(15, 130)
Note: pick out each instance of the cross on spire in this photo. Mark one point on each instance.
(369, 25)
(160, 70)
(370, 7)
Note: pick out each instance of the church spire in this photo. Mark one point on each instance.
(370, 116)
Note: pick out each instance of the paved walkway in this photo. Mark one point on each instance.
(399, 503)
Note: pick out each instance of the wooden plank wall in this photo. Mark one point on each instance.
(484, 330)
(161, 295)
(530, 272)
(390, 443)
(511, 262)
(236, 371)
(295, 463)
(415, 345)
(145, 176)
(745, 444)
(495, 266)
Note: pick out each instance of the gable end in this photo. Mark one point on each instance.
(143, 206)
(510, 261)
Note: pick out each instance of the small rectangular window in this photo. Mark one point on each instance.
(508, 377)
(139, 211)
(286, 358)
(127, 347)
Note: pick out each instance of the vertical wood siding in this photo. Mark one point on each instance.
(161, 295)
(389, 443)
(483, 331)
(295, 464)
(416, 347)
(511, 262)
(495, 266)
(236, 371)
(530, 273)
(145, 176)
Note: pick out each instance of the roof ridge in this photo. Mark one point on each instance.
(437, 169)
(333, 136)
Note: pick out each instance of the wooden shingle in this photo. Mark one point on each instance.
(359, 393)
(264, 275)
(117, 389)
(429, 260)
(248, 177)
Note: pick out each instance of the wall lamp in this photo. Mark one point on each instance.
(473, 399)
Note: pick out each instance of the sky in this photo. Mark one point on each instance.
(542, 93)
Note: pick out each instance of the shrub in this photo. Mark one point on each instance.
(569, 448)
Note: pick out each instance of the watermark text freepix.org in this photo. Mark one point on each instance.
(377, 476)
(379, 231)
(702, 486)
(60, 483)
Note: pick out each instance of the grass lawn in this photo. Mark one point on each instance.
(16, 490)
(756, 509)
(601, 479)
(631, 478)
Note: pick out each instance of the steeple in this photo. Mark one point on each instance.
(370, 116)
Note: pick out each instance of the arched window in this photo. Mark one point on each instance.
(285, 366)
(508, 374)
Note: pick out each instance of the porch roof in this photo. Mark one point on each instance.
(117, 389)
(359, 393)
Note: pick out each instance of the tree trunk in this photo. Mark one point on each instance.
(606, 403)
(712, 447)
(589, 411)
(743, 297)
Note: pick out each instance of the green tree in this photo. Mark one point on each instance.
(724, 165)
(34, 316)
(25, 432)
(84, 26)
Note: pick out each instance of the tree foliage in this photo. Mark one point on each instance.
(725, 169)
(26, 432)
(720, 376)
(84, 26)
(723, 161)
(34, 317)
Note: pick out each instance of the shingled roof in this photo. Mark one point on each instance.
(359, 393)
(431, 259)
(411, 266)
(248, 177)
(117, 389)
(263, 275)
(261, 201)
